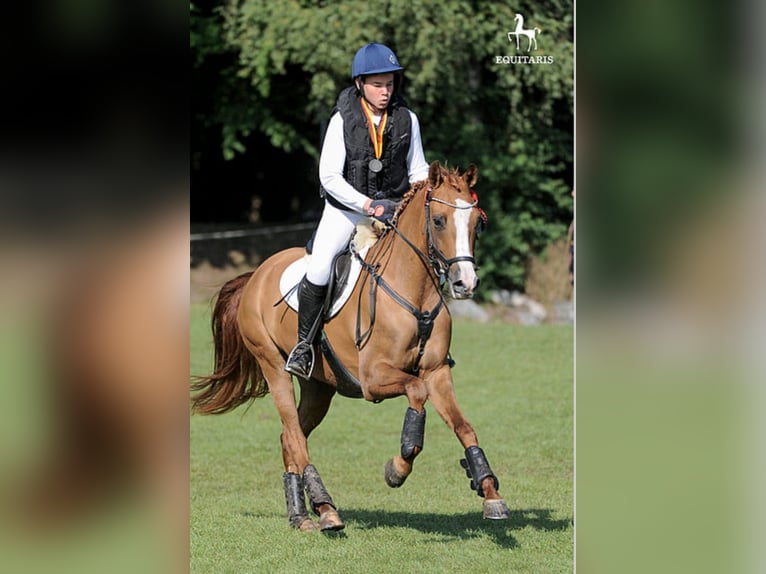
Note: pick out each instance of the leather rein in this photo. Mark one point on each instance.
(435, 259)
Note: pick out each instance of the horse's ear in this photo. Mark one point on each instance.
(435, 174)
(471, 175)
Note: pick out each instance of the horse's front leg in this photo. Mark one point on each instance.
(441, 392)
(386, 381)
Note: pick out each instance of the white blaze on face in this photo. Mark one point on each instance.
(462, 244)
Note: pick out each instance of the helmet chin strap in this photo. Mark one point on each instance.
(360, 88)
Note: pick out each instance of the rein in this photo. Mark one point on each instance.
(438, 262)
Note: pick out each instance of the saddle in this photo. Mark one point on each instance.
(346, 271)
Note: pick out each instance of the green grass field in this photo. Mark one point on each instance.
(515, 386)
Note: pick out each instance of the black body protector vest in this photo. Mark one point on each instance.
(391, 182)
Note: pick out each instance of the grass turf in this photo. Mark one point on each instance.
(515, 386)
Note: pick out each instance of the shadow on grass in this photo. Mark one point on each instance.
(460, 526)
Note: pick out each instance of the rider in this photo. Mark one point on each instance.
(371, 155)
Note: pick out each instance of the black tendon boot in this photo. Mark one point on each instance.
(310, 301)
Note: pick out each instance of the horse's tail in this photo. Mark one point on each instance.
(237, 377)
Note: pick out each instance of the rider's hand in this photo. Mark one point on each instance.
(382, 210)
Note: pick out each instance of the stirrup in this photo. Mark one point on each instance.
(294, 365)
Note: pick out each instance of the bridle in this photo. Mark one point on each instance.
(438, 262)
(435, 258)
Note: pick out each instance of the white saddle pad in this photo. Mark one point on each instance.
(292, 275)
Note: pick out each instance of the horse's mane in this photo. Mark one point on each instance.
(407, 197)
(418, 185)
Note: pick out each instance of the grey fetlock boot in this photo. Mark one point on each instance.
(310, 302)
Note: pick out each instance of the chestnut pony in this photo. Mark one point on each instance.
(393, 338)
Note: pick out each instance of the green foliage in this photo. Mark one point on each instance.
(288, 60)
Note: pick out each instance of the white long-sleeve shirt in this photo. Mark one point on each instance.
(333, 160)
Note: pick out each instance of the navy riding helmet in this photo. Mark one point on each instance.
(374, 59)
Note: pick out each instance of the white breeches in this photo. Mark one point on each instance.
(332, 236)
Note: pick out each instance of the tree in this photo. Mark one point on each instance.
(288, 59)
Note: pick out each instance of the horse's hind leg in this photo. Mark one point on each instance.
(296, 502)
(294, 451)
(315, 401)
(294, 448)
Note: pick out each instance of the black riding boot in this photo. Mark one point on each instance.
(310, 301)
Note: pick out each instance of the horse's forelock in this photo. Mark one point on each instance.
(456, 179)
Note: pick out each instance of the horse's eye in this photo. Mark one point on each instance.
(440, 221)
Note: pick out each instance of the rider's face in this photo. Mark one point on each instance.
(378, 90)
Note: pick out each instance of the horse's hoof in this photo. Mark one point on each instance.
(330, 520)
(308, 525)
(394, 478)
(496, 509)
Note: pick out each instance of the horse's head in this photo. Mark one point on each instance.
(453, 220)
